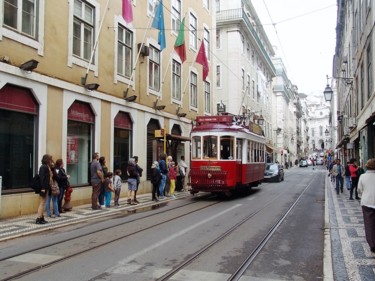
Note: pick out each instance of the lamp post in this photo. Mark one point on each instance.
(328, 92)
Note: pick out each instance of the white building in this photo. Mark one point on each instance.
(244, 68)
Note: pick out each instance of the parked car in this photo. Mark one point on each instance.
(319, 161)
(274, 172)
(309, 162)
(303, 163)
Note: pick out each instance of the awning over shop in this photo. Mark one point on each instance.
(177, 138)
(269, 148)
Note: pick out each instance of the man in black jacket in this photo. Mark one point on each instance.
(139, 170)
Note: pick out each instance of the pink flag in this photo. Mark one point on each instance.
(127, 12)
(202, 59)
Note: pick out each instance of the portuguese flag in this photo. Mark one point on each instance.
(179, 45)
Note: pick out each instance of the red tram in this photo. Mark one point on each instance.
(225, 155)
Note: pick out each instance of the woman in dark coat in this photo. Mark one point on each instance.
(45, 175)
(62, 180)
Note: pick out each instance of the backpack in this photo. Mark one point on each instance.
(35, 184)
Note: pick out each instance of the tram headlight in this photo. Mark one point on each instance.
(209, 175)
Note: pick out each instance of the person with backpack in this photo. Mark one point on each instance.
(45, 175)
(354, 178)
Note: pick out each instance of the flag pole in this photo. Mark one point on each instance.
(83, 79)
(139, 51)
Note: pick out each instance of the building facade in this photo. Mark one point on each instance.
(244, 68)
(77, 78)
(353, 81)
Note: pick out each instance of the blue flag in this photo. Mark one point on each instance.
(158, 23)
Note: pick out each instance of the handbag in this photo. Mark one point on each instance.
(55, 190)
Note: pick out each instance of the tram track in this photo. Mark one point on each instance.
(237, 274)
(90, 235)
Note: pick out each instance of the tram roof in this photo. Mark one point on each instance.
(225, 123)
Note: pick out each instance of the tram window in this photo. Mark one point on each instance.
(210, 147)
(196, 148)
(239, 149)
(248, 151)
(226, 147)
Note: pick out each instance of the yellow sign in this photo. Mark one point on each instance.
(159, 133)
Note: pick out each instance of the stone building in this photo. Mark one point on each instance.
(76, 78)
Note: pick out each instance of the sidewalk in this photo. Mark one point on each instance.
(25, 225)
(347, 249)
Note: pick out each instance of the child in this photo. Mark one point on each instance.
(172, 177)
(108, 189)
(117, 186)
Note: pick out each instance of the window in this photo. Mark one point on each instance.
(193, 31)
(122, 142)
(79, 142)
(210, 147)
(151, 5)
(218, 38)
(248, 84)
(193, 90)
(320, 131)
(206, 4)
(369, 72)
(239, 149)
(207, 97)
(226, 147)
(176, 80)
(18, 137)
(22, 15)
(253, 89)
(154, 69)
(196, 148)
(176, 15)
(125, 52)
(313, 132)
(218, 76)
(248, 50)
(83, 29)
(243, 78)
(217, 6)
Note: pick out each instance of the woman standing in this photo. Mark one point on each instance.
(45, 175)
(63, 181)
(367, 188)
(354, 178)
(102, 163)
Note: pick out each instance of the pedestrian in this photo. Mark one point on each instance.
(63, 182)
(172, 179)
(347, 177)
(183, 169)
(164, 171)
(51, 196)
(139, 170)
(330, 170)
(155, 180)
(117, 183)
(337, 172)
(168, 180)
(45, 175)
(132, 180)
(354, 178)
(96, 179)
(102, 162)
(108, 189)
(367, 188)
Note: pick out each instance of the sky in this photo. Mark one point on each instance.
(303, 33)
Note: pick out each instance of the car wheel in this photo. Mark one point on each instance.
(279, 178)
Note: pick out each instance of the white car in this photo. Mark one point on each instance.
(319, 161)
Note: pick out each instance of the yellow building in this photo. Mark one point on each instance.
(76, 78)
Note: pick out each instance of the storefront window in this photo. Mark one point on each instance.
(17, 144)
(122, 143)
(78, 152)
(79, 142)
(18, 131)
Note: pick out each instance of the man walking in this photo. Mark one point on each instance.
(96, 178)
(183, 170)
(337, 172)
(139, 170)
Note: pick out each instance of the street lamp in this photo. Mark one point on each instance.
(328, 92)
